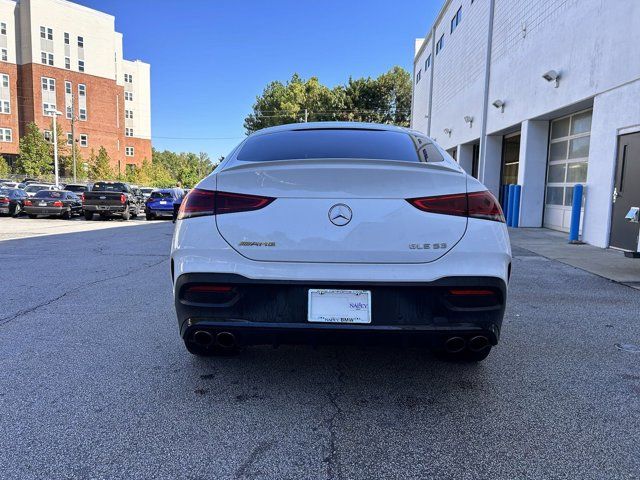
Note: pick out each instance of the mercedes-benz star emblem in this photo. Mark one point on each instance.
(340, 214)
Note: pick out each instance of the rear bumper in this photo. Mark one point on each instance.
(45, 210)
(104, 208)
(159, 212)
(275, 312)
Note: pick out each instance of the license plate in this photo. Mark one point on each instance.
(43, 204)
(162, 202)
(102, 207)
(339, 306)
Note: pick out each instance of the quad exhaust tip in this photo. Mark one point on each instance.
(455, 344)
(226, 339)
(479, 343)
(203, 338)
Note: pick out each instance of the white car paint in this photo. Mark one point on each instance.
(293, 239)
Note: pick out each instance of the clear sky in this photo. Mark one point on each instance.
(211, 58)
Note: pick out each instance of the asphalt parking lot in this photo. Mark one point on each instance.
(95, 382)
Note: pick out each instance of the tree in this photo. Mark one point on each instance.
(35, 159)
(100, 165)
(185, 169)
(4, 167)
(386, 99)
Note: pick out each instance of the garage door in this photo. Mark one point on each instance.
(567, 166)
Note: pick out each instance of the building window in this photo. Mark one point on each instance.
(3, 28)
(6, 134)
(84, 140)
(418, 76)
(457, 18)
(80, 42)
(46, 33)
(128, 96)
(69, 112)
(49, 84)
(5, 81)
(67, 87)
(4, 54)
(5, 107)
(46, 58)
(81, 65)
(69, 139)
(128, 78)
(427, 62)
(67, 63)
(128, 132)
(128, 114)
(48, 107)
(128, 151)
(440, 44)
(66, 38)
(82, 115)
(48, 136)
(82, 89)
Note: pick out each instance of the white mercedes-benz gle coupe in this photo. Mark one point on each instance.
(340, 233)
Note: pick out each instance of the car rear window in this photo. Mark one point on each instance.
(49, 194)
(76, 188)
(160, 195)
(35, 188)
(109, 187)
(329, 143)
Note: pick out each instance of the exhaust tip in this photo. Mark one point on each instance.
(226, 339)
(203, 338)
(454, 344)
(479, 343)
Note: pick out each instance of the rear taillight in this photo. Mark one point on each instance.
(199, 203)
(475, 205)
(82, 197)
(28, 203)
(209, 294)
(473, 297)
(4, 200)
(123, 198)
(57, 203)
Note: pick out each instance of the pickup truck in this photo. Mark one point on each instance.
(111, 198)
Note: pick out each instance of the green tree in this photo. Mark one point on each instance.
(386, 99)
(100, 165)
(4, 167)
(184, 169)
(35, 153)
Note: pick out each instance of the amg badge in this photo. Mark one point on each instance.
(257, 244)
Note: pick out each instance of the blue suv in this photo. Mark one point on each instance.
(160, 202)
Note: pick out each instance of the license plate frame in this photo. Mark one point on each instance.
(339, 306)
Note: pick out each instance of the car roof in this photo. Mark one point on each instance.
(332, 125)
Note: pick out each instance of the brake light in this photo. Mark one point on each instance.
(200, 202)
(82, 197)
(4, 200)
(123, 198)
(475, 205)
(471, 292)
(28, 203)
(57, 203)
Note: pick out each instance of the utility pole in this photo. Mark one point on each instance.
(73, 135)
(54, 114)
(306, 115)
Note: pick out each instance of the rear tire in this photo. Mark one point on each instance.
(88, 215)
(66, 215)
(466, 356)
(17, 210)
(150, 216)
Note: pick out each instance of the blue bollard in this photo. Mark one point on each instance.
(516, 206)
(576, 207)
(505, 200)
(512, 194)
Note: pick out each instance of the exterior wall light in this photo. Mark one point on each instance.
(469, 120)
(447, 131)
(552, 76)
(499, 104)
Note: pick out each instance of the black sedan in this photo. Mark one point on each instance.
(12, 201)
(53, 202)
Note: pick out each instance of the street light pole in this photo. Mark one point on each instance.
(54, 114)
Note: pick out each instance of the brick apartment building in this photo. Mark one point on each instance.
(55, 54)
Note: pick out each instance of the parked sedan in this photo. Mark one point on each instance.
(160, 203)
(53, 203)
(12, 201)
(33, 188)
(340, 232)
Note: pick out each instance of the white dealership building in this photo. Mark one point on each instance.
(544, 94)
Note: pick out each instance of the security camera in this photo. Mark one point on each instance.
(499, 104)
(552, 76)
(469, 120)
